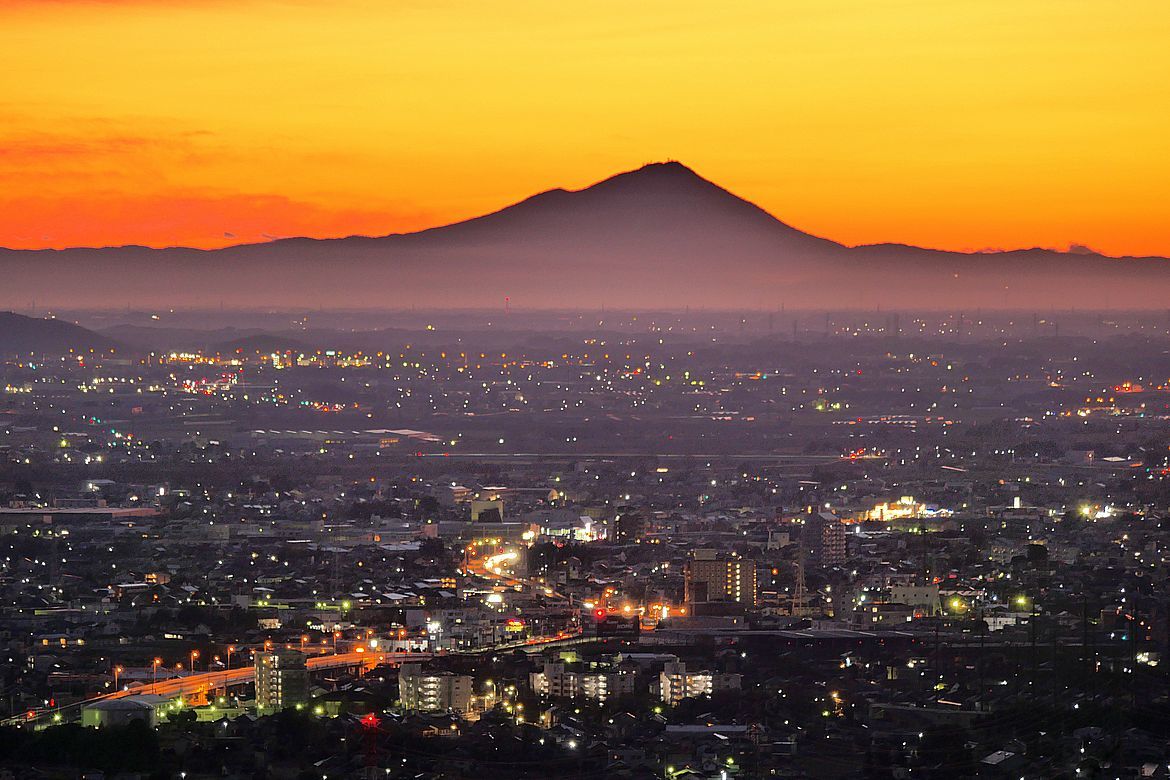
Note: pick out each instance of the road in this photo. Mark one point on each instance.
(203, 684)
(491, 568)
(752, 456)
(207, 682)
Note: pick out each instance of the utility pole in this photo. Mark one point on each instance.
(1032, 625)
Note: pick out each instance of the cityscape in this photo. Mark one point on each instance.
(758, 545)
(515, 390)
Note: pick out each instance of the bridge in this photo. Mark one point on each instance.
(199, 688)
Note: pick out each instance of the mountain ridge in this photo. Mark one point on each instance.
(673, 166)
(658, 236)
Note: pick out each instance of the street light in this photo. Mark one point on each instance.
(117, 672)
(154, 685)
(230, 649)
(194, 655)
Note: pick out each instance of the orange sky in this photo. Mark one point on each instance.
(946, 123)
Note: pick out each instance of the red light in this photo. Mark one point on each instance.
(370, 721)
(599, 614)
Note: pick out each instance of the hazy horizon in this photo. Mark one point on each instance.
(1071, 247)
(950, 125)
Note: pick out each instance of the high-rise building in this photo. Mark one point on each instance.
(282, 680)
(828, 543)
(433, 691)
(711, 577)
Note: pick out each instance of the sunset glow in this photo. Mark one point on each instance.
(948, 124)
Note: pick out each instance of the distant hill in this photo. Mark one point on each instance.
(20, 335)
(660, 237)
(263, 343)
(167, 339)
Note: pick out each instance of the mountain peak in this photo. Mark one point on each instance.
(650, 207)
(669, 167)
(669, 171)
(659, 236)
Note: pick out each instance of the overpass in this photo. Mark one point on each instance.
(201, 686)
(195, 684)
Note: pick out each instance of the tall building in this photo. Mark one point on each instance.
(675, 683)
(433, 691)
(828, 543)
(282, 680)
(711, 577)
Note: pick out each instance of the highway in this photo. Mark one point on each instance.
(210, 681)
(491, 568)
(204, 683)
(746, 456)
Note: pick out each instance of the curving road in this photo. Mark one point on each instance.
(206, 682)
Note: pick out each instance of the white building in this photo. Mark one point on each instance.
(433, 692)
(555, 682)
(675, 683)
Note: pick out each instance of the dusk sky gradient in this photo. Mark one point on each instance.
(958, 125)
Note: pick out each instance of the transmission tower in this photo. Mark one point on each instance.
(800, 594)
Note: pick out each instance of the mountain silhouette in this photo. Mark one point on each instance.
(21, 335)
(660, 237)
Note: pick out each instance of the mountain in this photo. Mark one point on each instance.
(660, 237)
(20, 335)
